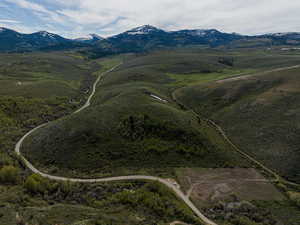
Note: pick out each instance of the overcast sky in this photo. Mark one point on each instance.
(76, 18)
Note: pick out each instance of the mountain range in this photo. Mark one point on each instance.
(140, 39)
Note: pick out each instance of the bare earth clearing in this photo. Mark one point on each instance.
(206, 186)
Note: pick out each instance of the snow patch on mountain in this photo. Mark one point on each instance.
(96, 36)
(199, 33)
(202, 32)
(146, 29)
(46, 34)
(90, 37)
(136, 32)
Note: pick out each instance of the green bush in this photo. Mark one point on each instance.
(9, 174)
(66, 187)
(36, 184)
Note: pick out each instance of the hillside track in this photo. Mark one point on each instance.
(276, 177)
(247, 76)
(170, 185)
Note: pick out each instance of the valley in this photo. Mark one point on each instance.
(141, 120)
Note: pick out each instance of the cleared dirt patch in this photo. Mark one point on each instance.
(207, 186)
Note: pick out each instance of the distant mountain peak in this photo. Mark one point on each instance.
(96, 36)
(46, 34)
(90, 38)
(145, 29)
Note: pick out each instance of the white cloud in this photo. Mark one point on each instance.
(248, 16)
(9, 21)
(85, 17)
(113, 16)
(29, 5)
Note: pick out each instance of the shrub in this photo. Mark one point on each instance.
(66, 187)
(157, 198)
(36, 184)
(9, 174)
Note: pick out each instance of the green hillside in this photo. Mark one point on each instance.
(126, 131)
(45, 75)
(140, 122)
(30, 199)
(260, 114)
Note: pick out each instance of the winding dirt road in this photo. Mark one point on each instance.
(177, 191)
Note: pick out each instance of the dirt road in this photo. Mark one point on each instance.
(177, 191)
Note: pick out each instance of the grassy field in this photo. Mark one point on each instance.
(44, 75)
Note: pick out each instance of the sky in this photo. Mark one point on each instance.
(77, 18)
